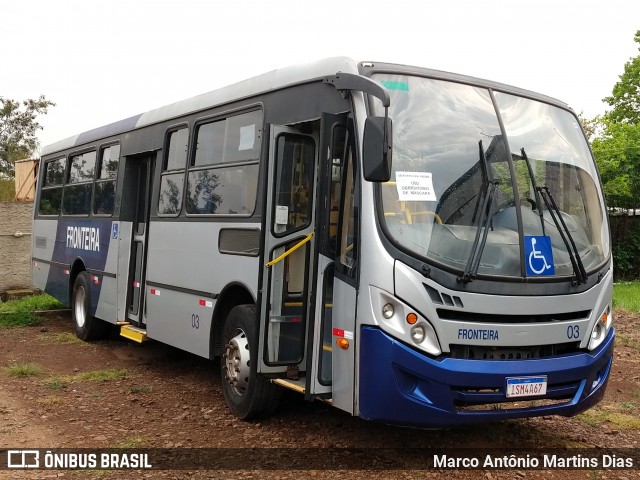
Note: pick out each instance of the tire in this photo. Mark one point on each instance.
(87, 326)
(248, 394)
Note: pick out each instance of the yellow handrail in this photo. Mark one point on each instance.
(290, 251)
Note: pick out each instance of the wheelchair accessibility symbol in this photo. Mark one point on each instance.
(539, 256)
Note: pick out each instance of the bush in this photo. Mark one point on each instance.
(7, 190)
(626, 248)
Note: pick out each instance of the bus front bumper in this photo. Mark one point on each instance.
(402, 386)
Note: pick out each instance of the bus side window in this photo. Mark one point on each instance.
(172, 183)
(77, 191)
(51, 194)
(104, 192)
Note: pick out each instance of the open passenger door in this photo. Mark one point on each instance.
(309, 281)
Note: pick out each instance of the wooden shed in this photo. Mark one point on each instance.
(26, 177)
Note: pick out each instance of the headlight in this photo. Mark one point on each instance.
(404, 322)
(417, 333)
(600, 328)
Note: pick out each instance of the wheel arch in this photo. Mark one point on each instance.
(231, 296)
(77, 267)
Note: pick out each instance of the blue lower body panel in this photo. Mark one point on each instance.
(402, 386)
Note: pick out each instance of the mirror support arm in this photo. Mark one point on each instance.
(350, 81)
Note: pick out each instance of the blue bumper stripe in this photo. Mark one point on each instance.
(403, 386)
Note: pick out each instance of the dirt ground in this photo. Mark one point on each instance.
(160, 397)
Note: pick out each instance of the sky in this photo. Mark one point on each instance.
(102, 61)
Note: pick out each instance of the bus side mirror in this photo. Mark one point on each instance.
(377, 149)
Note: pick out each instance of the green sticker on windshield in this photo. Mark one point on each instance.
(393, 85)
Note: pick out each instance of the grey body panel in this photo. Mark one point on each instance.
(343, 362)
(124, 259)
(43, 243)
(316, 386)
(409, 288)
(186, 273)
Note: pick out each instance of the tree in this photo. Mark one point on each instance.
(625, 98)
(18, 128)
(617, 152)
(615, 138)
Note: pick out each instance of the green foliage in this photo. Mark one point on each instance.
(19, 313)
(18, 128)
(625, 97)
(617, 152)
(627, 296)
(7, 190)
(56, 384)
(615, 141)
(24, 370)
(626, 256)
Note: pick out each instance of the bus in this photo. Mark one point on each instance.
(411, 246)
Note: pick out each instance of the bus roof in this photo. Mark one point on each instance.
(253, 86)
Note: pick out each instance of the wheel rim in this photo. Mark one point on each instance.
(79, 307)
(237, 361)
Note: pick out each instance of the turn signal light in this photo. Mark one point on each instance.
(604, 317)
(412, 318)
(343, 343)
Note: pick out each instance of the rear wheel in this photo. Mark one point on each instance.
(87, 326)
(248, 394)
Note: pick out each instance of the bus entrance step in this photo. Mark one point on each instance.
(295, 385)
(133, 333)
(299, 386)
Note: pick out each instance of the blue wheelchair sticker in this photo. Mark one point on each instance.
(114, 231)
(538, 255)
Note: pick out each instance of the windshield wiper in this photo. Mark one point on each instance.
(489, 192)
(535, 188)
(565, 234)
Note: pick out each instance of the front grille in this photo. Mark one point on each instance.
(473, 352)
(483, 399)
(446, 314)
(515, 405)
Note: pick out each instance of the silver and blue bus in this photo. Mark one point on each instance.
(411, 246)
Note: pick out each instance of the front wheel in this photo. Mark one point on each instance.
(87, 326)
(248, 394)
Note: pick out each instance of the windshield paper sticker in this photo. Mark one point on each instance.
(539, 256)
(415, 186)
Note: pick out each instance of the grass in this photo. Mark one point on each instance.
(19, 313)
(627, 296)
(51, 400)
(56, 384)
(627, 340)
(597, 416)
(106, 375)
(141, 389)
(24, 370)
(64, 338)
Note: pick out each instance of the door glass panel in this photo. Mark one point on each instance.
(294, 184)
(324, 370)
(288, 305)
(347, 252)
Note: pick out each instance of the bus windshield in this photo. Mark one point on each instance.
(465, 193)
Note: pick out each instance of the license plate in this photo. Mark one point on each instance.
(526, 386)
